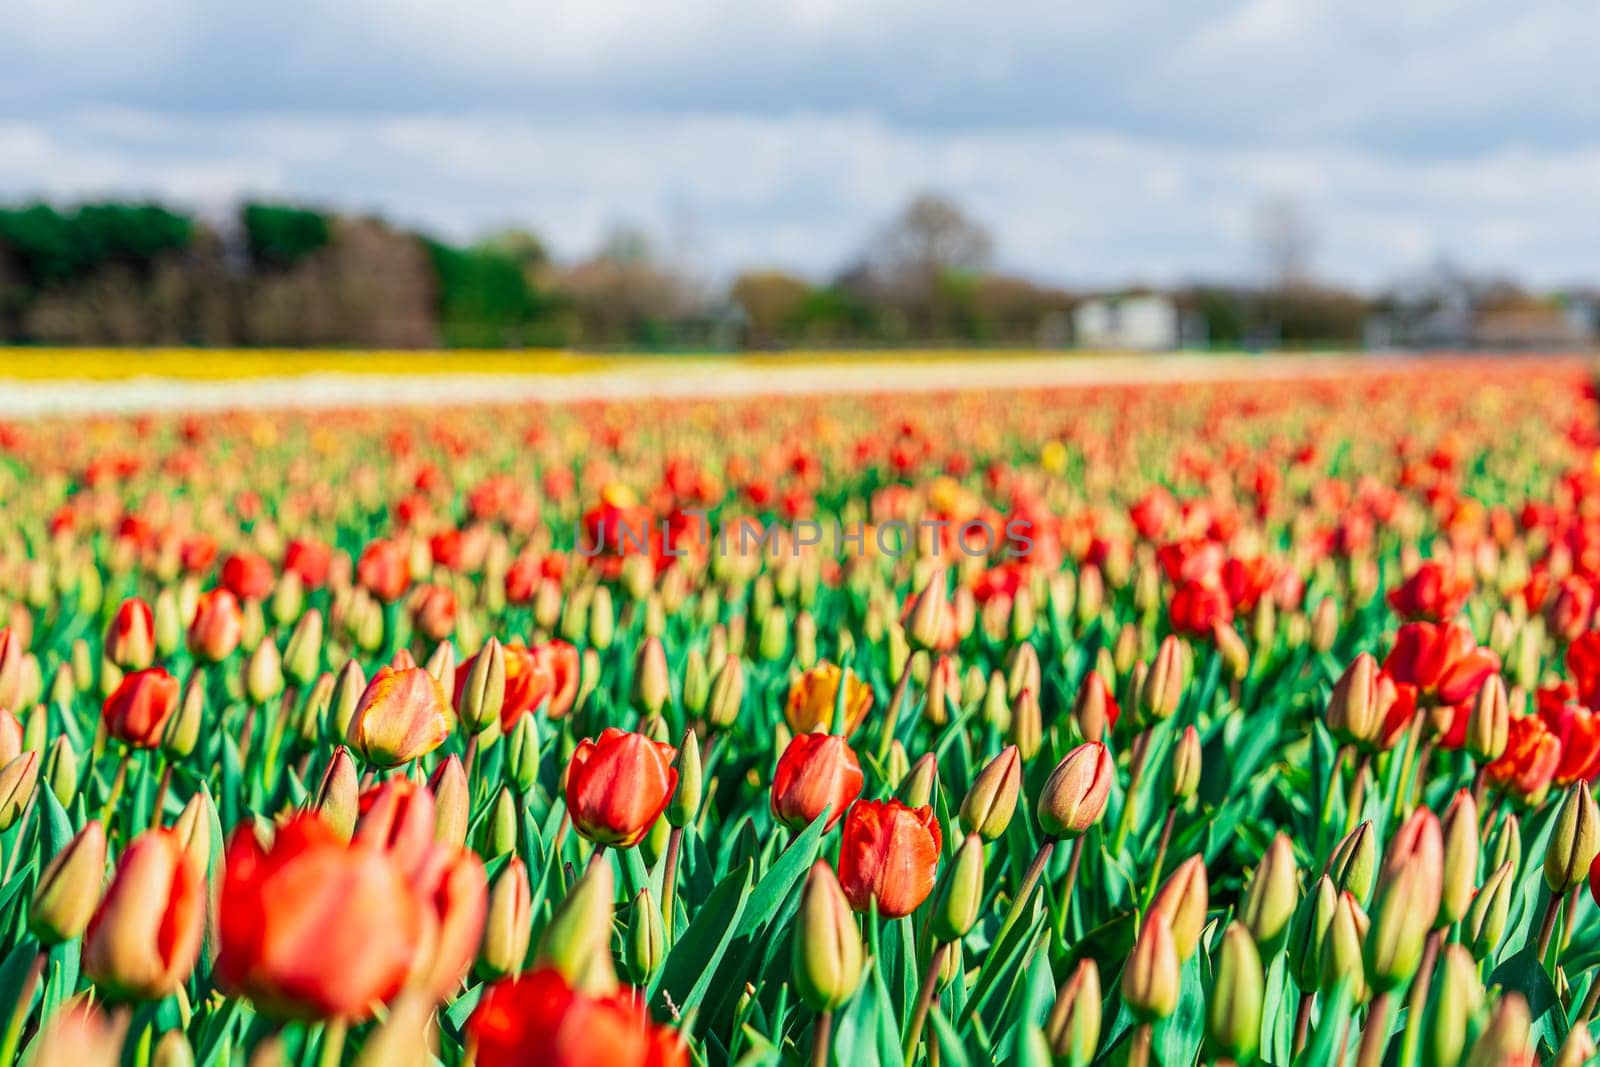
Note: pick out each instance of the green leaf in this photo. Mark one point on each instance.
(692, 962)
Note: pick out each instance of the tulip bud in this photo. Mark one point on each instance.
(1577, 1050)
(987, 808)
(1073, 1027)
(828, 955)
(1354, 863)
(522, 755)
(577, 940)
(339, 796)
(1233, 1012)
(61, 770)
(1023, 615)
(696, 683)
(1507, 843)
(347, 690)
(17, 781)
(193, 829)
(727, 693)
(1027, 725)
(1151, 977)
(500, 829)
(1074, 796)
(130, 641)
(1231, 650)
(1091, 594)
(652, 687)
(1162, 690)
(996, 710)
(1403, 913)
(509, 924)
(1454, 1000)
(168, 624)
(1486, 918)
(646, 943)
(921, 784)
(405, 1038)
(145, 935)
(1353, 716)
(1308, 932)
(1184, 899)
(1460, 830)
(182, 732)
(925, 623)
(960, 893)
(302, 657)
(1324, 625)
(1574, 841)
(172, 1051)
(1506, 1039)
(1342, 947)
(1489, 722)
(602, 619)
(1022, 671)
(1183, 767)
(69, 889)
(895, 770)
(684, 803)
(1094, 710)
(452, 800)
(1271, 896)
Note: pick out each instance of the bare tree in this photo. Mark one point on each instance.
(1284, 238)
(931, 247)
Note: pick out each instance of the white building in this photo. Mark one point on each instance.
(1147, 322)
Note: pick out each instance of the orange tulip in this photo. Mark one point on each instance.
(137, 711)
(314, 929)
(618, 785)
(539, 1019)
(145, 936)
(889, 854)
(217, 626)
(812, 696)
(403, 714)
(816, 771)
(452, 883)
(247, 576)
(382, 571)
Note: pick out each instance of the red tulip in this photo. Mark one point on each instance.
(11, 651)
(311, 928)
(131, 639)
(1529, 762)
(538, 1019)
(1196, 607)
(217, 626)
(145, 936)
(889, 854)
(452, 882)
(1583, 666)
(310, 560)
(618, 785)
(1442, 660)
(383, 571)
(816, 772)
(1433, 592)
(1577, 729)
(434, 611)
(137, 711)
(547, 674)
(247, 576)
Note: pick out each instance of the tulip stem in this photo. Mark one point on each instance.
(115, 793)
(1068, 886)
(161, 794)
(892, 715)
(1302, 1024)
(333, 1035)
(1139, 1047)
(1024, 891)
(669, 882)
(1141, 745)
(1375, 1035)
(470, 755)
(930, 984)
(1548, 926)
(821, 1038)
(1161, 854)
(1358, 793)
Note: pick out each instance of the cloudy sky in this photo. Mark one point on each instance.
(1100, 142)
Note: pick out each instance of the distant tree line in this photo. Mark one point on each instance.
(291, 275)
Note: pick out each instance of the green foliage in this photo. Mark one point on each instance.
(485, 300)
(281, 236)
(54, 246)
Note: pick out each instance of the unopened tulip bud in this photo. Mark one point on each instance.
(63, 687)
(1271, 896)
(193, 829)
(1023, 616)
(442, 665)
(1354, 863)
(895, 770)
(1231, 650)
(1507, 1037)
(652, 687)
(1324, 625)
(302, 656)
(1094, 710)
(69, 889)
(182, 731)
(1308, 932)
(452, 799)
(508, 926)
(1183, 766)
(696, 683)
(996, 709)
(17, 781)
(61, 770)
(1023, 671)
(646, 941)
(987, 808)
(1507, 846)
(1151, 977)
(1162, 690)
(727, 693)
(338, 799)
(1184, 899)
(922, 784)
(1074, 797)
(131, 641)
(960, 894)
(1453, 1003)
(1460, 831)
(145, 935)
(1485, 923)
(1489, 722)
(602, 619)
(1341, 958)
(1402, 915)
(406, 1036)
(1577, 1050)
(925, 623)
(501, 828)
(577, 940)
(347, 690)
(1233, 1011)
(1574, 841)
(1073, 1026)
(172, 1051)
(1027, 725)
(314, 712)
(168, 624)
(684, 804)
(1353, 716)
(828, 955)
(79, 1035)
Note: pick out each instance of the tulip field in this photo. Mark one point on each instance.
(1247, 721)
